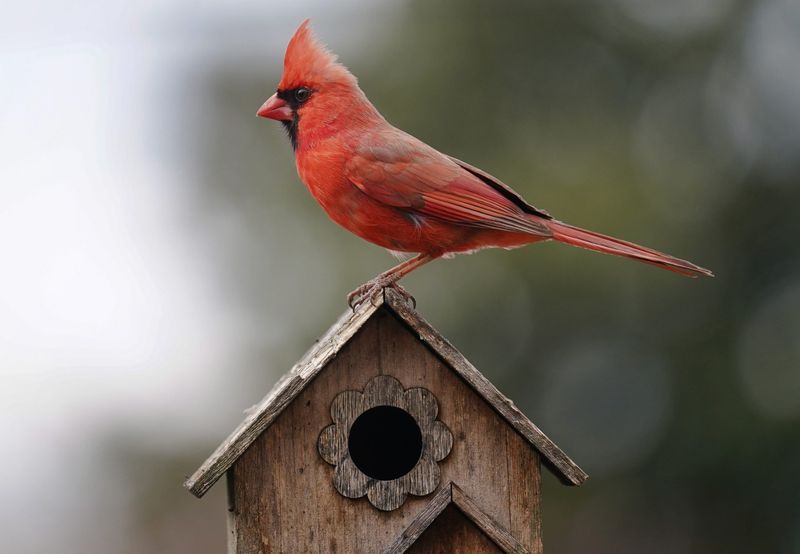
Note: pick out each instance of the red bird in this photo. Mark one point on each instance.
(394, 190)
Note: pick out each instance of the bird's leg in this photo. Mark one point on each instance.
(388, 279)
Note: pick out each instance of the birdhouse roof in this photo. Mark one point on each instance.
(261, 416)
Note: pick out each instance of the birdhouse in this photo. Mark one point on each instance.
(383, 438)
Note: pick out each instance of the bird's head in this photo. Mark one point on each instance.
(315, 91)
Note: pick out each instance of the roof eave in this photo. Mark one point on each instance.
(561, 464)
(327, 347)
(261, 415)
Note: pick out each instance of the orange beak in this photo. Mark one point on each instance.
(275, 108)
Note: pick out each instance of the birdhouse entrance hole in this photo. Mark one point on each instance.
(385, 442)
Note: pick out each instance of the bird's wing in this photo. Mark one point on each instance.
(502, 188)
(403, 172)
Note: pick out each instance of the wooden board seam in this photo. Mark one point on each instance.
(499, 535)
(427, 515)
(316, 358)
(452, 494)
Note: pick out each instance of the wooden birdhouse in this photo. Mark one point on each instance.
(384, 438)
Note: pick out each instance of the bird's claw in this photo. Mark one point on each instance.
(367, 291)
(371, 289)
(407, 296)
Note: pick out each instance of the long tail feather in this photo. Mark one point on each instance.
(609, 245)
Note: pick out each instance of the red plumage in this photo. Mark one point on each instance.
(393, 190)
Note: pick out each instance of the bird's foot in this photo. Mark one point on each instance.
(407, 297)
(367, 291)
(371, 289)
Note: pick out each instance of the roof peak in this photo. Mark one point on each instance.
(263, 414)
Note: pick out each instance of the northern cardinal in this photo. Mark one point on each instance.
(394, 190)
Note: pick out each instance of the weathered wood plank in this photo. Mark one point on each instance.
(524, 497)
(282, 497)
(264, 413)
(567, 470)
(285, 390)
(486, 523)
(477, 459)
(453, 522)
(421, 522)
(453, 532)
(284, 494)
(231, 515)
(284, 488)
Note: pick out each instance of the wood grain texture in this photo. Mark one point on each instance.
(284, 498)
(561, 464)
(524, 503)
(454, 533)
(293, 383)
(487, 523)
(285, 390)
(420, 404)
(231, 519)
(422, 521)
(453, 522)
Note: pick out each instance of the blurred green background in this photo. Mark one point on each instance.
(163, 265)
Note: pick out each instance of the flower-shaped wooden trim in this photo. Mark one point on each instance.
(437, 441)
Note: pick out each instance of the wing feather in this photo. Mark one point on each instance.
(401, 171)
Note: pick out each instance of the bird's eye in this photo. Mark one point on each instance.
(302, 94)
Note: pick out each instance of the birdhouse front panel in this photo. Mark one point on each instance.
(358, 456)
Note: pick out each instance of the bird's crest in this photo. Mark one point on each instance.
(308, 62)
